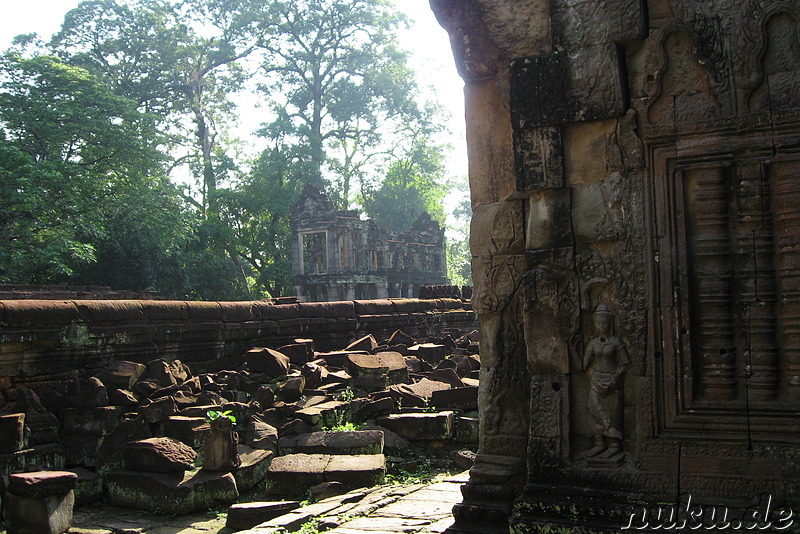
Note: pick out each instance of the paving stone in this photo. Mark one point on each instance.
(385, 524)
(247, 515)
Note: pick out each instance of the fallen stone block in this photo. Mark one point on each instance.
(401, 338)
(352, 442)
(356, 471)
(261, 435)
(330, 413)
(172, 493)
(37, 484)
(191, 431)
(370, 409)
(42, 423)
(161, 455)
(420, 426)
(466, 430)
(159, 409)
(86, 393)
(293, 474)
(298, 353)
(432, 353)
(121, 374)
(463, 398)
(366, 343)
(292, 389)
(12, 432)
(448, 376)
(253, 467)
(88, 487)
(267, 361)
(247, 515)
(81, 450)
(32, 515)
(90, 421)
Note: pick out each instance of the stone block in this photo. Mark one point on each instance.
(253, 467)
(267, 361)
(331, 413)
(81, 450)
(247, 515)
(37, 484)
(353, 442)
(420, 426)
(356, 471)
(464, 399)
(12, 432)
(121, 374)
(90, 421)
(89, 486)
(38, 515)
(293, 474)
(466, 430)
(298, 353)
(161, 455)
(292, 389)
(448, 376)
(430, 352)
(191, 431)
(86, 393)
(261, 435)
(159, 409)
(172, 493)
(365, 343)
(371, 409)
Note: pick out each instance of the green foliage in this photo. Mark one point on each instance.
(213, 415)
(345, 427)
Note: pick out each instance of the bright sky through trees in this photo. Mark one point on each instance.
(427, 41)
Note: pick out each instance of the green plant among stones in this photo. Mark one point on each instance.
(212, 415)
(349, 426)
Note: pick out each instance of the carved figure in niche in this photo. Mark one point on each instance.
(606, 360)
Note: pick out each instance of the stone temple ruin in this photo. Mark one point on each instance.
(337, 255)
(634, 168)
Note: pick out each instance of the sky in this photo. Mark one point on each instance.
(426, 40)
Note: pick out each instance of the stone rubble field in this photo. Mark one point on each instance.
(288, 423)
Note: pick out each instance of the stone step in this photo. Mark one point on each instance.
(294, 474)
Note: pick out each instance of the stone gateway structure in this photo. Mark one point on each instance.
(337, 255)
(641, 159)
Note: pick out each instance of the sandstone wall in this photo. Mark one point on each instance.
(46, 337)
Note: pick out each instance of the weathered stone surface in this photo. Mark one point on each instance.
(89, 486)
(121, 374)
(329, 413)
(292, 389)
(122, 397)
(191, 431)
(366, 343)
(86, 393)
(12, 432)
(356, 471)
(399, 337)
(292, 474)
(267, 361)
(253, 467)
(247, 515)
(261, 435)
(42, 423)
(172, 493)
(466, 430)
(38, 515)
(39, 484)
(90, 421)
(460, 398)
(430, 352)
(220, 452)
(448, 376)
(370, 409)
(159, 409)
(161, 455)
(420, 426)
(351, 442)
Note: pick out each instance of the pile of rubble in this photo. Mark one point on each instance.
(159, 436)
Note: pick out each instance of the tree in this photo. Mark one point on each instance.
(75, 159)
(338, 82)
